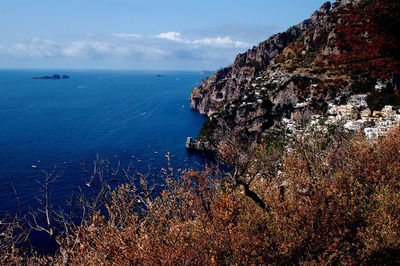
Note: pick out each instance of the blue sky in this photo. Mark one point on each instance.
(145, 34)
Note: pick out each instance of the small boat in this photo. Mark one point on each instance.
(34, 166)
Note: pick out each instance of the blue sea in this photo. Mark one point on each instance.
(124, 116)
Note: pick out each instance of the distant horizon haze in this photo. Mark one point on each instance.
(129, 34)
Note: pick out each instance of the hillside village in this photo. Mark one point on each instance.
(340, 66)
(355, 116)
(353, 112)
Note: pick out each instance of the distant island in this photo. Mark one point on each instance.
(55, 76)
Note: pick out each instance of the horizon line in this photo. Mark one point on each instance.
(105, 69)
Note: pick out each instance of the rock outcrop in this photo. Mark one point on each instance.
(193, 144)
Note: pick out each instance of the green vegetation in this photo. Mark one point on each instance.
(256, 65)
(360, 86)
(207, 129)
(376, 100)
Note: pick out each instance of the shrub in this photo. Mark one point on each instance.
(330, 199)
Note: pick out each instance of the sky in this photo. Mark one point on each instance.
(139, 34)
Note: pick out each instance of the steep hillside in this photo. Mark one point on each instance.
(345, 48)
(226, 84)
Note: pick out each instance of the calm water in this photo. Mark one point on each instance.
(121, 115)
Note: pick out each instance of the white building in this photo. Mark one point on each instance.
(354, 126)
(343, 112)
(365, 114)
(371, 132)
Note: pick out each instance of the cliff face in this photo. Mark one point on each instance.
(226, 84)
(343, 48)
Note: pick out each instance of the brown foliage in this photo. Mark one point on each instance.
(330, 199)
(366, 36)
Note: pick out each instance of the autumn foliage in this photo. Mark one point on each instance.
(329, 198)
(365, 37)
(369, 39)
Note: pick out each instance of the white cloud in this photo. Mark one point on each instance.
(165, 47)
(96, 49)
(225, 42)
(171, 35)
(222, 42)
(85, 48)
(36, 47)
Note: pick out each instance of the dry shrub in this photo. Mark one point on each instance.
(334, 200)
(330, 199)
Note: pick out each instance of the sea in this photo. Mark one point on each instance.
(125, 117)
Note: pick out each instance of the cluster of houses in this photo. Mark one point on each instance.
(357, 117)
(382, 121)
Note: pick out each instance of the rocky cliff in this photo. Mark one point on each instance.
(226, 84)
(344, 47)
